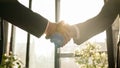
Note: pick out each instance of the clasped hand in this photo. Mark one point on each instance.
(62, 28)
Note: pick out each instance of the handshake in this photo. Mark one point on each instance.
(61, 33)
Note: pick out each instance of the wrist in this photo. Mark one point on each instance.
(46, 30)
(50, 28)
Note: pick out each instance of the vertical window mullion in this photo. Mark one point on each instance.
(28, 42)
(27, 50)
(12, 38)
(57, 50)
(1, 39)
(110, 48)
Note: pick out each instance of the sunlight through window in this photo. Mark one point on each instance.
(78, 11)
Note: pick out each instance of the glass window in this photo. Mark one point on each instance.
(41, 50)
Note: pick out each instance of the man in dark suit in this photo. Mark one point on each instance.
(26, 19)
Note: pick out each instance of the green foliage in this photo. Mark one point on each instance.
(91, 57)
(10, 61)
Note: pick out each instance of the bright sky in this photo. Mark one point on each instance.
(77, 11)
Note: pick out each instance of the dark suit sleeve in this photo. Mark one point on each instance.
(99, 23)
(21, 16)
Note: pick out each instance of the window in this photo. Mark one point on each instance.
(42, 51)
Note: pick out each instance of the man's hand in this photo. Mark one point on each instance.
(61, 28)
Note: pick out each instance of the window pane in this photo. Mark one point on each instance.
(68, 63)
(42, 50)
(20, 44)
(41, 53)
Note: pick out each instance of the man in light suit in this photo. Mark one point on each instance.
(97, 24)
